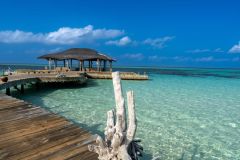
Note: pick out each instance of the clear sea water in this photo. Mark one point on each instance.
(182, 113)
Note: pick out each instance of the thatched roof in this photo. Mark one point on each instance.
(77, 54)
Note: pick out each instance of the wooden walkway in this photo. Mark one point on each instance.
(123, 75)
(28, 132)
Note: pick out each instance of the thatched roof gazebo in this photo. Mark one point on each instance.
(81, 55)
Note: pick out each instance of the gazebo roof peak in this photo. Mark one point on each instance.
(78, 54)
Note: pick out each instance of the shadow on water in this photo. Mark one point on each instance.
(195, 155)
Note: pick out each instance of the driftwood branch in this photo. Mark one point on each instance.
(118, 137)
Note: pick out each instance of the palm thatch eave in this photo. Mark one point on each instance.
(80, 54)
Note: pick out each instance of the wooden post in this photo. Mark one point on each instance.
(110, 65)
(89, 65)
(71, 63)
(8, 92)
(54, 63)
(37, 85)
(22, 88)
(98, 65)
(49, 64)
(67, 63)
(83, 66)
(104, 65)
(80, 66)
(64, 63)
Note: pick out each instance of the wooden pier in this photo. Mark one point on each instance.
(123, 75)
(29, 132)
(89, 74)
(23, 79)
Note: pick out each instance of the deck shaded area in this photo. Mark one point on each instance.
(31, 132)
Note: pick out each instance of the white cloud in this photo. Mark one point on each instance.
(19, 36)
(158, 42)
(190, 59)
(134, 56)
(235, 48)
(64, 35)
(199, 51)
(43, 51)
(217, 50)
(121, 42)
(205, 59)
(153, 58)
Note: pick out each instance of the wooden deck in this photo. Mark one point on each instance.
(28, 132)
(123, 75)
(92, 74)
(22, 79)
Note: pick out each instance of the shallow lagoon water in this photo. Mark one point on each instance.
(180, 116)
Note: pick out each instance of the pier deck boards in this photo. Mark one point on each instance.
(29, 132)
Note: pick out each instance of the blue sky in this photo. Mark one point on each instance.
(182, 33)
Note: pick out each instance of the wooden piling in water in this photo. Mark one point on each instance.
(22, 88)
(8, 92)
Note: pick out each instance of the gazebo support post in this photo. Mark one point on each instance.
(110, 65)
(89, 65)
(82, 65)
(98, 65)
(67, 63)
(71, 63)
(49, 63)
(64, 63)
(54, 63)
(104, 65)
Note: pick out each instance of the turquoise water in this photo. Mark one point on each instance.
(182, 114)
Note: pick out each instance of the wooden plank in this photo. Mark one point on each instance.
(53, 145)
(23, 124)
(30, 132)
(28, 145)
(34, 137)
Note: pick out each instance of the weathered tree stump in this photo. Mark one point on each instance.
(119, 138)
